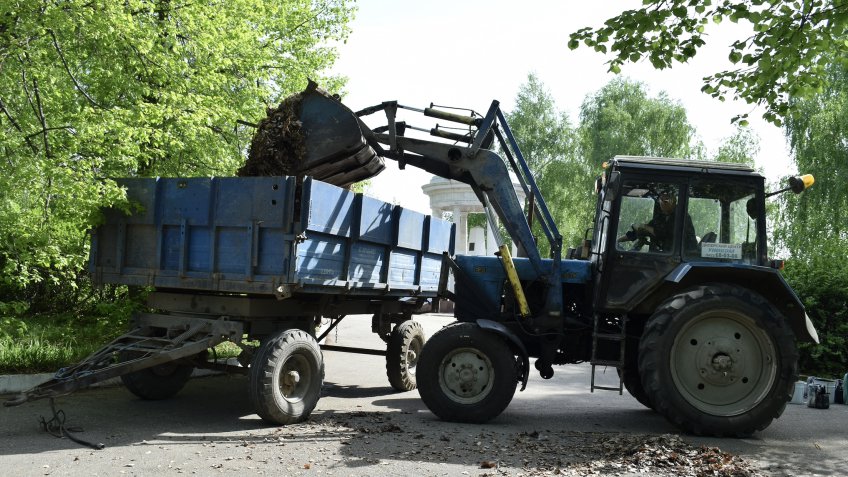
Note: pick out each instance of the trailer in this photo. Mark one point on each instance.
(258, 260)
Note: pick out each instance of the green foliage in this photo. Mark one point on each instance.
(34, 342)
(739, 148)
(791, 44)
(93, 90)
(548, 143)
(818, 134)
(822, 284)
(815, 223)
(622, 119)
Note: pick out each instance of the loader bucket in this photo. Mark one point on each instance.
(312, 133)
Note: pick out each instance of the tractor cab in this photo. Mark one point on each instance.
(656, 214)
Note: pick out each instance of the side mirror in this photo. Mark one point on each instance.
(613, 184)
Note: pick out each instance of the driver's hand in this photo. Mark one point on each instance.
(641, 230)
(630, 235)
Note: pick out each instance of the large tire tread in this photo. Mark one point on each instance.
(504, 365)
(399, 369)
(265, 394)
(158, 382)
(654, 368)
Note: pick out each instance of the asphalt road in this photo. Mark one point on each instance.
(362, 427)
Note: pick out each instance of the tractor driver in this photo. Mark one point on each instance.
(659, 231)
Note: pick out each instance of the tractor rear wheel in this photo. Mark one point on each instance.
(466, 374)
(718, 360)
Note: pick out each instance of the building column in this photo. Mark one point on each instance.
(436, 213)
(460, 218)
(491, 240)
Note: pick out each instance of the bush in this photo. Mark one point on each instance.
(822, 285)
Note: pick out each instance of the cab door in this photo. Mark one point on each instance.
(642, 243)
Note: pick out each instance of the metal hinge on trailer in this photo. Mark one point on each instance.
(618, 336)
(144, 346)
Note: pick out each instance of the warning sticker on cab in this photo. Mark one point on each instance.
(722, 250)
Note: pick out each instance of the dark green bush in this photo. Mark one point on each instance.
(821, 283)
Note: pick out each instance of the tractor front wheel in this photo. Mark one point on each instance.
(466, 374)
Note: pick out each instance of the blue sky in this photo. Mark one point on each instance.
(468, 52)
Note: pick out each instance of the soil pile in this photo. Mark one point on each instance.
(278, 148)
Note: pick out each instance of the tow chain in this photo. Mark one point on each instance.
(56, 428)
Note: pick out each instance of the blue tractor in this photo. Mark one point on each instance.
(674, 288)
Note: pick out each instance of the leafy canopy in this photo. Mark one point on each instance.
(818, 135)
(97, 89)
(791, 44)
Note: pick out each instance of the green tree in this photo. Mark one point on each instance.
(818, 135)
(741, 147)
(91, 90)
(548, 143)
(791, 44)
(622, 119)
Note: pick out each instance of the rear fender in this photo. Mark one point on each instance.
(515, 344)
(768, 282)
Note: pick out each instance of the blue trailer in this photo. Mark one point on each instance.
(259, 258)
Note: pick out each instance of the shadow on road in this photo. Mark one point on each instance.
(358, 426)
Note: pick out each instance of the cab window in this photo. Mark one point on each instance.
(725, 222)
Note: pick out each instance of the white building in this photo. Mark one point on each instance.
(457, 198)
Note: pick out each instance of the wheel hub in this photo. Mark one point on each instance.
(722, 363)
(466, 375)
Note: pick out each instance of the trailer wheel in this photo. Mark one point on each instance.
(466, 374)
(158, 382)
(286, 376)
(718, 360)
(402, 352)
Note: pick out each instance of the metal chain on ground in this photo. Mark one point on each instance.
(56, 428)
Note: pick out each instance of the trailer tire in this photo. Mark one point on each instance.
(286, 376)
(402, 353)
(157, 382)
(467, 374)
(718, 360)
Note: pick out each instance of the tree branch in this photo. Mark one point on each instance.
(68, 128)
(65, 63)
(41, 118)
(17, 126)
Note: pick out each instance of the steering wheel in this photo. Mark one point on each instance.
(640, 239)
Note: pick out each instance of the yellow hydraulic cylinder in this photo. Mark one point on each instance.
(512, 276)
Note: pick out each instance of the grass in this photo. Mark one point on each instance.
(46, 343)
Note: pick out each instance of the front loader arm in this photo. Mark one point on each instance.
(487, 175)
(469, 159)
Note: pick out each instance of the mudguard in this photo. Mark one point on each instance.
(768, 282)
(518, 346)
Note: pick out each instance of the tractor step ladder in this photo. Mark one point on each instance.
(618, 336)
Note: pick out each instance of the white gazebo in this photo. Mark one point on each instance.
(447, 195)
